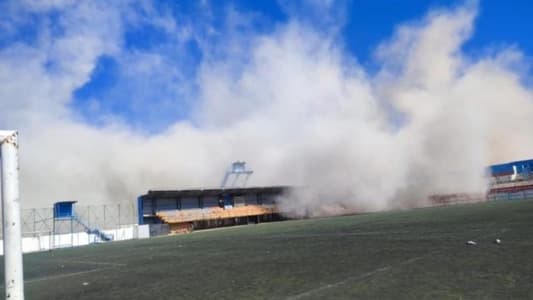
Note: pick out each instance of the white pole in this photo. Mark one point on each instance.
(14, 281)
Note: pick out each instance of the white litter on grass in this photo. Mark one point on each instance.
(85, 283)
(498, 241)
(471, 243)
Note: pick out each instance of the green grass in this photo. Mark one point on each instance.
(417, 254)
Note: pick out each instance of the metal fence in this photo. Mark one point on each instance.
(40, 221)
(521, 195)
(107, 216)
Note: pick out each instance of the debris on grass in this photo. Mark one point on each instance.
(471, 243)
(498, 241)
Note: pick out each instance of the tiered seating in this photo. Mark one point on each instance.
(512, 186)
(180, 216)
(192, 215)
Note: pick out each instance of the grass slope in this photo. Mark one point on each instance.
(417, 254)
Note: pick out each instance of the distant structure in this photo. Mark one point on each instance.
(237, 169)
(512, 171)
(185, 210)
(231, 204)
(512, 180)
(507, 181)
(65, 219)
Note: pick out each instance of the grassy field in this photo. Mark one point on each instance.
(417, 254)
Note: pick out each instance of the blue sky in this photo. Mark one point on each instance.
(117, 90)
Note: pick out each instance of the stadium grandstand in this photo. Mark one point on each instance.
(507, 181)
(513, 180)
(231, 204)
(185, 210)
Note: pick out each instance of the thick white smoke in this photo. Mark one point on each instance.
(297, 108)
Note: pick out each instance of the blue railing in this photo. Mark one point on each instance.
(102, 235)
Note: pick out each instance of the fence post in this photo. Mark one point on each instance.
(33, 212)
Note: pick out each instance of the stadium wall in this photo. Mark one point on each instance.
(51, 241)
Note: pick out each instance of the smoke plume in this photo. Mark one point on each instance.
(291, 102)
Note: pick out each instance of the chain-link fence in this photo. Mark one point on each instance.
(107, 216)
(37, 221)
(40, 221)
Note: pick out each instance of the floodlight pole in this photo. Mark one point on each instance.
(14, 280)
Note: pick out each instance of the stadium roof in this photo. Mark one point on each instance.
(212, 191)
(507, 168)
